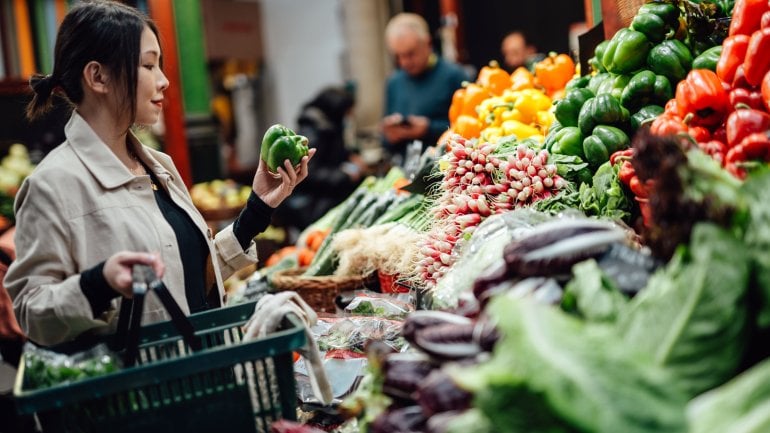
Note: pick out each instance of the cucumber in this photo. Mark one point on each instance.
(377, 209)
(323, 261)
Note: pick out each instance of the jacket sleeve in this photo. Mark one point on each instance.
(231, 256)
(43, 280)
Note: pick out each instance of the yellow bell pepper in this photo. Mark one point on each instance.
(544, 119)
(491, 134)
(519, 129)
(513, 114)
(529, 102)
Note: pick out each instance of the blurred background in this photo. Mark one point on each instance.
(243, 65)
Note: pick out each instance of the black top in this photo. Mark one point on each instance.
(193, 250)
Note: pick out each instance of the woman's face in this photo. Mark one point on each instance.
(151, 81)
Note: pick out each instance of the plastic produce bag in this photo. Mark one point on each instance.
(45, 368)
(483, 249)
(368, 303)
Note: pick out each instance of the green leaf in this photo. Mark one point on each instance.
(551, 370)
(594, 295)
(740, 406)
(692, 316)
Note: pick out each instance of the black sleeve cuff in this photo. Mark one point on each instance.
(253, 220)
(96, 289)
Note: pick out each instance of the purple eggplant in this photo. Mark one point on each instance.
(403, 373)
(408, 419)
(439, 393)
(552, 248)
(422, 319)
(448, 341)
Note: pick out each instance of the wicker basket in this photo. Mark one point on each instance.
(319, 292)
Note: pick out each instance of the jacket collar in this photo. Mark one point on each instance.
(103, 164)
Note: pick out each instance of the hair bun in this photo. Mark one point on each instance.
(43, 85)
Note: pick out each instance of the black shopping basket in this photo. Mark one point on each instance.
(226, 385)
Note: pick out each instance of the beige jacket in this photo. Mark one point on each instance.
(80, 206)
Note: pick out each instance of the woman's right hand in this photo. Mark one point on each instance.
(118, 268)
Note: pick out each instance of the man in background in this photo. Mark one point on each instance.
(517, 51)
(419, 93)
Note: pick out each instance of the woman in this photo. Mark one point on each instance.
(101, 202)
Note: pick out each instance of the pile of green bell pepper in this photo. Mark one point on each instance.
(656, 21)
(646, 88)
(281, 143)
(604, 109)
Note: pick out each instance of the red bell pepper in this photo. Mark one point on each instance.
(701, 99)
(733, 54)
(622, 155)
(638, 188)
(699, 133)
(720, 134)
(671, 107)
(744, 122)
(757, 61)
(741, 96)
(739, 81)
(766, 91)
(716, 149)
(668, 124)
(765, 21)
(747, 15)
(754, 146)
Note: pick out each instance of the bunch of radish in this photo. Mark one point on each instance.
(478, 182)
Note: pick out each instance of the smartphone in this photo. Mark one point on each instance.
(405, 121)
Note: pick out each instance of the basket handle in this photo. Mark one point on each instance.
(129, 321)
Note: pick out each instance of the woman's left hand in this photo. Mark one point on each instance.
(274, 190)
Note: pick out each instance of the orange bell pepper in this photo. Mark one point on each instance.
(521, 78)
(472, 97)
(468, 126)
(494, 78)
(458, 99)
(555, 71)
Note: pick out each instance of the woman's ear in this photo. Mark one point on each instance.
(95, 77)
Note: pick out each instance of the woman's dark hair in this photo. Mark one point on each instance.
(334, 102)
(107, 32)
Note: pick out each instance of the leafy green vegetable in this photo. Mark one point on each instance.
(571, 168)
(692, 317)
(551, 370)
(605, 197)
(470, 421)
(756, 189)
(592, 295)
(740, 406)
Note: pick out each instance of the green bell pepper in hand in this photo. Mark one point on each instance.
(671, 58)
(645, 114)
(601, 110)
(281, 143)
(708, 59)
(626, 51)
(567, 141)
(646, 88)
(568, 108)
(604, 141)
